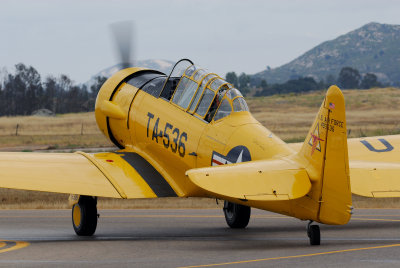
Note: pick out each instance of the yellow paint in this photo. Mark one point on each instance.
(264, 180)
(56, 172)
(76, 215)
(373, 174)
(128, 181)
(112, 110)
(109, 177)
(294, 256)
(18, 245)
(105, 95)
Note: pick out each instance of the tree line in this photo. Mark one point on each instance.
(23, 92)
(348, 78)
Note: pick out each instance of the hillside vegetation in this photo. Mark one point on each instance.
(373, 48)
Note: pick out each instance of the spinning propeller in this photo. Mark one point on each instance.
(123, 35)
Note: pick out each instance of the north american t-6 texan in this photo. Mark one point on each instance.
(191, 134)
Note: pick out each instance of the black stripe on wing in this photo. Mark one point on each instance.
(152, 177)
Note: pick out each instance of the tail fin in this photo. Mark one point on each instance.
(324, 155)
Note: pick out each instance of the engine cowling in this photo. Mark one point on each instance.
(113, 104)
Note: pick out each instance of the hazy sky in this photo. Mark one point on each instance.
(73, 37)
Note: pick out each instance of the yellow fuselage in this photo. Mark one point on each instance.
(174, 141)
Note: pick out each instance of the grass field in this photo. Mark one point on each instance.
(61, 131)
(369, 113)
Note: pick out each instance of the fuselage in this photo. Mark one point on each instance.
(176, 136)
(174, 139)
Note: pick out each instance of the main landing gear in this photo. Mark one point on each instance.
(313, 234)
(236, 216)
(84, 216)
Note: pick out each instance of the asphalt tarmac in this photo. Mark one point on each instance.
(195, 238)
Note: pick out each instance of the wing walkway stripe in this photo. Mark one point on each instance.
(152, 177)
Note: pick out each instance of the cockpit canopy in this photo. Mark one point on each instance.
(195, 90)
(206, 95)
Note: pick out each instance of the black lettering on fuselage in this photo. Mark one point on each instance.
(150, 116)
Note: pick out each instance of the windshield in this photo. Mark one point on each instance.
(202, 93)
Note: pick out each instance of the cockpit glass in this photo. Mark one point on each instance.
(217, 83)
(243, 104)
(205, 102)
(190, 70)
(196, 98)
(181, 87)
(154, 86)
(200, 91)
(187, 94)
(208, 78)
(180, 69)
(239, 104)
(199, 74)
(224, 110)
(222, 90)
(140, 78)
(233, 93)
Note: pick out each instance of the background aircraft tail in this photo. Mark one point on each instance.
(324, 155)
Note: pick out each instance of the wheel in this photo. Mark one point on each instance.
(236, 216)
(314, 235)
(84, 216)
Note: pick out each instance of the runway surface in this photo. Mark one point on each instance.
(195, 238)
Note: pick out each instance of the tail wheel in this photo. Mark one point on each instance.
(236, 216)
(314, 234)
(84, 216)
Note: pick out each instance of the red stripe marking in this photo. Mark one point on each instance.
(217, 162)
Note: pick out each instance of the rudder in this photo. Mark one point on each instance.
(325, 157)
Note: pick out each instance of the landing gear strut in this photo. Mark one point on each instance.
(313, 234)
(236, 216)
(84, 216)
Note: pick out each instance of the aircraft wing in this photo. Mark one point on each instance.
(374, 165)
(265, 180)
(118, 175)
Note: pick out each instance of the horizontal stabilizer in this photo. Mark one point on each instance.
(266, 180)
(374, 165)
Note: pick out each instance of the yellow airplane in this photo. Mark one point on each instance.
(190, 134)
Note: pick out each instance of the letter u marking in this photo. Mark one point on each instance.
(388, 148)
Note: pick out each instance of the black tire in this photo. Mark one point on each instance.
(236, 216)
(314, 235)
(84, 216)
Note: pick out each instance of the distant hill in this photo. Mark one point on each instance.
(373, 48)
